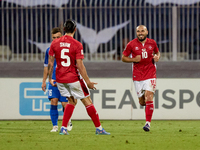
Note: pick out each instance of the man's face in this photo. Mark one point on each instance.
(142, 33)
(56, 36)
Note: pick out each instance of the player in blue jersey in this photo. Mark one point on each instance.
(53, 92)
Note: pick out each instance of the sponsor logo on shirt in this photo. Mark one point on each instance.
(136, 48)
(62, 44)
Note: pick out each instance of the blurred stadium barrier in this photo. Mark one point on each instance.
(104, 27)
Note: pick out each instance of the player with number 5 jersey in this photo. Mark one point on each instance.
(53, 93)
(66, 50)
(71, 76)
(144, 53)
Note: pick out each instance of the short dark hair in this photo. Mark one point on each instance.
(56, 30)
(69, 26)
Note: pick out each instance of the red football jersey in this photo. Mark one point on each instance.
(66, 50)
(146, 68)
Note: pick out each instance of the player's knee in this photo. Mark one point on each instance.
(142, 103)
(72, 100)
(54, 101)
(149, 96)
(73, 103)
(64, 104)
(86, 101)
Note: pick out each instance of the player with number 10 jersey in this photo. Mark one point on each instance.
(66, 50)
(146, 68)
(144, 53)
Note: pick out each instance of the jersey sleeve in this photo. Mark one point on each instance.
(127, 50)
(79, 52)
(46, 58)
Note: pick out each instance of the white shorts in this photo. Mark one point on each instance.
(142, 86)
(78, 90)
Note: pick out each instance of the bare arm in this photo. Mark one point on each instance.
(50, 69)
(83, 72)
(156, 57)
(45, 75)
(130, 60)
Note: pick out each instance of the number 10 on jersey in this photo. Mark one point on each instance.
(144, 55)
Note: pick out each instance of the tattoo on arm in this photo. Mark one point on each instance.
(50, 66)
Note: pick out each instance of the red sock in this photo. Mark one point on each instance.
(93, 115)
(69, 108)
(149, 110)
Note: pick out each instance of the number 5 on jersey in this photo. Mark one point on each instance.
(65, 56)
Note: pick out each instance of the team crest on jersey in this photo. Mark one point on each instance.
(144, 49)
(150, 47)
(136, 48)
(62, 44)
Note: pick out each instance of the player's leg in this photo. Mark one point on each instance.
(53, 97)
(150, 86)
(64, 102)
(65, 91)
(82, 92)
(149, 109)
(142, 100)
(69, 109)
(62, 99)
(94, 116)
(54, 111)
(92, 111)
(140, 92)
(54, 114)
(69, 125)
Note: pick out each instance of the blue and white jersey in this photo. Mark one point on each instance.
(46, 63)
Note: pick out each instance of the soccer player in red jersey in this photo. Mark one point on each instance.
(71, 76)
(53, 93)
(144, 53)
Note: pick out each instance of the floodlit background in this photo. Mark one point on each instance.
(104, 27)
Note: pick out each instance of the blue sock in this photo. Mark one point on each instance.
(54, 115)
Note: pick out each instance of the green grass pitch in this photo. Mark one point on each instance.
(125, 135)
